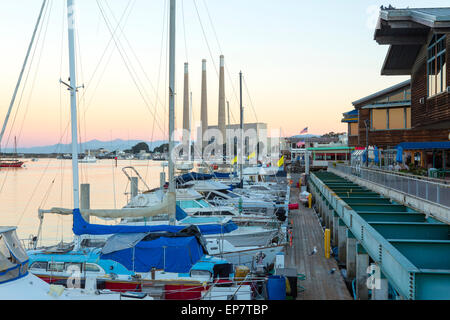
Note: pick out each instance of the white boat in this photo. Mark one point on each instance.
(17, 283)
(184, 165)
(248, 236)
(250, 256)
(88, 159)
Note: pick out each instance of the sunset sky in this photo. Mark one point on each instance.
(304, 62)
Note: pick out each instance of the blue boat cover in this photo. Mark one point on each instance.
(176, 254)
(191, 176)
(221, 175)
(424, 145)
(281, 174)
(80, 227)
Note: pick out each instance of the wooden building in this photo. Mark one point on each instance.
(416, 110)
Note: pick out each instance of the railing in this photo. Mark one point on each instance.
(425, 189)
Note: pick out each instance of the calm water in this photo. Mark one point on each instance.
(47, 183)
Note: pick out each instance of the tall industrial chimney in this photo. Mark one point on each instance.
(222, 114)
(204, 103)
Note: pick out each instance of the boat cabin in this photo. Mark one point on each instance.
(13, 258)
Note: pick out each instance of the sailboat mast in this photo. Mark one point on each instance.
(190, 126)
(242, 131)
(172, 104)
(73, 101)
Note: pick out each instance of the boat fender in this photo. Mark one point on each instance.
(56, 290)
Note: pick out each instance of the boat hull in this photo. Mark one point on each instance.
(168, 290)
(249, 257)
(18, 164)
(247, 239)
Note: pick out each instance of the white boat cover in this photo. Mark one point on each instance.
(167, 205)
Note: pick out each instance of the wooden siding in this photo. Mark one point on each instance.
(390, 138)
(435, 109)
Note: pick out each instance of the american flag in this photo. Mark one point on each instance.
(304, 131)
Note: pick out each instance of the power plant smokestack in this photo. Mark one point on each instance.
(204, 103)
(222, 114)
(186, 105)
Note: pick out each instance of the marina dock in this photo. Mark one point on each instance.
(323, 280)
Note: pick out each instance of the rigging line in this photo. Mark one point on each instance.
(113, 175)
(125, 62)
(33, 193)
(206, 39)
(60, 97)
(165, 15)
(103, 55)
(184, 31)
(221, 52)
(81, 103)
(157, 99)
(36, 73)
(134, 54)
(38, 25)
(250, 98)
(213, 28)
(39, 30)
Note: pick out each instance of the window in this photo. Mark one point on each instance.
(379, 119)
(42, 265)
(408, 118)
(353, 129)
(55, 266)
(436, 65)
(186, 204)
(89, 267)
(399, 96)
(200, 273)
(203, 203)
(396, 118)
(73, 266)
(390, 119)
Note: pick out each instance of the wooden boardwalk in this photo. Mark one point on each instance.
(320, 282)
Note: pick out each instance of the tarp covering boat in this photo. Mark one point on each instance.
(157, 209)
(81, 226)
(191, 176)
(171, 254)
(222, 175)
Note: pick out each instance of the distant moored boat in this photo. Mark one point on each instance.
(11, 163)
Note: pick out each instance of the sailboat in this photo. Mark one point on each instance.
(12, 163)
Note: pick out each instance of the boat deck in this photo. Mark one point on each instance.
(320, 283)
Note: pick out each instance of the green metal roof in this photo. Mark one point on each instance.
(330, 148)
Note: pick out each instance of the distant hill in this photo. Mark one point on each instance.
(117, 144)
(305, 136)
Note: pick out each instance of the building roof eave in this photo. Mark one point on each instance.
(375, 95)
(406, 31)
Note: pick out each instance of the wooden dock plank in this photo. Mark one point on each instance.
(320, 283)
